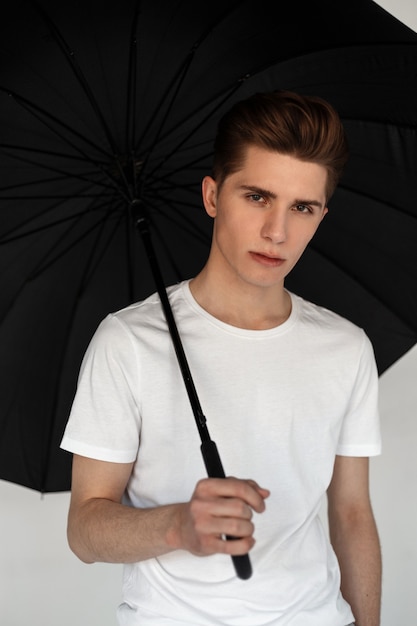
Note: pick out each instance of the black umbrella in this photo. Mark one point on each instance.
(102, 103)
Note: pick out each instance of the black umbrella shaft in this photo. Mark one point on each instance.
(143, 227)
(209, 450)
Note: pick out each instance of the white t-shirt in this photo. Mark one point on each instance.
(279, 403)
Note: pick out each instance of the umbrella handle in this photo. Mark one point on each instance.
(209, 450)
(215, 469)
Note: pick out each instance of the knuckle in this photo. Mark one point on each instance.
(245, 510)
(242, 510)
(201, 485)
(235, 529)
(194, 507)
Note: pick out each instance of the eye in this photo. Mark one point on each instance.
(303, 208)
(256, 197)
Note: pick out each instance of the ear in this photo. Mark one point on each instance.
(325, 212)
(209, 195)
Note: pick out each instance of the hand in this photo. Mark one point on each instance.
(220, 507)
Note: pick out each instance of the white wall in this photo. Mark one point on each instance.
(43, 584)
(394, 491)
(404, 10)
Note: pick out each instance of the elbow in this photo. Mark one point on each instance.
(77, 544)
(352, 524)
(79, 550)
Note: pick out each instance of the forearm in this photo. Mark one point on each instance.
(102, 529)
(105, 531)
(355, 541)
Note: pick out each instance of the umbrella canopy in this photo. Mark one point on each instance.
(102, 103)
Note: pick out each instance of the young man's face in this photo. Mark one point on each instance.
(265, 215)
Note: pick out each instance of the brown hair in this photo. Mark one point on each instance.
(306, 127)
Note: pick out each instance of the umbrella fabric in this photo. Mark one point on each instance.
(104, 102)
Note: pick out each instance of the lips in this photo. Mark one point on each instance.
(266, 259)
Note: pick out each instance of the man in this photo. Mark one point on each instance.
(289, 391)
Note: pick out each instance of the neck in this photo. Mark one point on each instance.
(241, 305)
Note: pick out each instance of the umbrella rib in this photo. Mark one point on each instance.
(64, 174)
(42, 151)
(179, 78)
(7, 236)
(37, 271)
(48, 262)
(39, 229)
(56, 170)
(54, 196)
(27, 105)
(367, 288)
(188, 166)
(104, 248)
(45, 196)
(369, 196)
(44, 263)
(86, 275)
(191, 228)
(170, 257)
(39, 113)
(130, 128)
(201, 124)
(69, 55)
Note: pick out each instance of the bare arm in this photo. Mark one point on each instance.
(354, 538)
(100, 528)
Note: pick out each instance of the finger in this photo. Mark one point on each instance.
(264, 493)
(252, 494)
(224, 526)
(233, 488)
(221, 516)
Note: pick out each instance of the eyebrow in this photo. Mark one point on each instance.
(271, 194)
(310, 202)
(259, 190)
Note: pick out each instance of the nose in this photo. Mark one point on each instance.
(274, 227)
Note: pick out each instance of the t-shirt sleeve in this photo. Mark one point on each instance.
(104, 422)
(361, 434)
